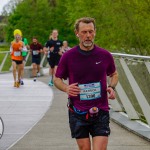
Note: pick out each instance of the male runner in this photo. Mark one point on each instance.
(87, 67)
(36, 49)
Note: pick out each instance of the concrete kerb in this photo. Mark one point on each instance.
(134, 126)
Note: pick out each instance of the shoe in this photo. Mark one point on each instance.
(15, 84)
(38, 74)
(50, 83)
(34, 79)
(21, 82)
(18, 84)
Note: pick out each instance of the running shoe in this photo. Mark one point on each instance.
(18, 84)
(51, 83)
(38, 74)
(21, 82)
(15, 84)
(34, 79)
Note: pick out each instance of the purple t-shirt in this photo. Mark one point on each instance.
(90, 72)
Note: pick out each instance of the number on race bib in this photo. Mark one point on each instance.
(35, 52)
(90, 91)
(17, 53)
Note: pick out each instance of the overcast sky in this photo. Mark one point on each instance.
(3, 3)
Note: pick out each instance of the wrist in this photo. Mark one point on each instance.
(112, 87)
(65, 88)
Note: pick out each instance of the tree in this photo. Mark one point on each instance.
(122, 25)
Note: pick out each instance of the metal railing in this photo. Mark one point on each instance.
(5, 58)
(133, 95)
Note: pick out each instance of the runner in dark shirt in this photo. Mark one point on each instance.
(87, 68)
(53, 47)
(36, 49)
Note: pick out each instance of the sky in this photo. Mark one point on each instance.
(2, 4)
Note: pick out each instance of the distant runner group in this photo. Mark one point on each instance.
(54, 49)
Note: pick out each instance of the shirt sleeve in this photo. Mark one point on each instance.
(41, 47)
(62, 70)
(31, 47)
(111, 66)
(47, 44)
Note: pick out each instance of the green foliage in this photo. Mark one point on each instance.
(122, 25)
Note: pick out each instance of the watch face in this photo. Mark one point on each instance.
(1, 127)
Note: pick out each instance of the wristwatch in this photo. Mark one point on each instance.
(112, 87)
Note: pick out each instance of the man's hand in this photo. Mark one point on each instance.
(73, 89)
(51, 49)
(111, 92)
(20, 48)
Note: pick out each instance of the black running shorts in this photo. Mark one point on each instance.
(36, 60)
(18, 62)
(95, 126)
(53, 60)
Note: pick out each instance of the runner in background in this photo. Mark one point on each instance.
(16, 49)
(36, 49)
(47, 53)
(53, 46)
(64, 48)
(24, 55)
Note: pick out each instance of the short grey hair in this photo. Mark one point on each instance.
(84, 20)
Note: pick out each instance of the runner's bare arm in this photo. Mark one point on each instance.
(72, 89)
(24, 48)
(45, 50)
(113, 80)
(10, 49)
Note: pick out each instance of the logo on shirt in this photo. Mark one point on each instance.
(98, 62)
(58, 43)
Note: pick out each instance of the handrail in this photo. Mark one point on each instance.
(131, 56)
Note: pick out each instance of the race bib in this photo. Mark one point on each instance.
(90, 91)
(35, 52)
(17, 53)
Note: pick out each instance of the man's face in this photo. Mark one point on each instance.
(34, 41)
(86, 34)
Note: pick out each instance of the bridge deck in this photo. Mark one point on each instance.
(32, 122)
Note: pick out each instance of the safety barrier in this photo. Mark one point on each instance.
(133, 95)
(5, 63)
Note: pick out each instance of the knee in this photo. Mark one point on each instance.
(34, 67)
(84, 147)
(14, 69)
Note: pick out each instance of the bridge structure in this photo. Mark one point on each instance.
(35, 115)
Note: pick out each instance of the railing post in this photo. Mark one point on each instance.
(126, 102)
(42, 61)
(137, 91)
(3, 62)
(27, 57)
(148, 66)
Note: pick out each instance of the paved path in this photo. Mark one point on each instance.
(52, 131)
(21, 108)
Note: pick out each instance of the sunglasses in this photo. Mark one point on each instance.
(17, 36)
